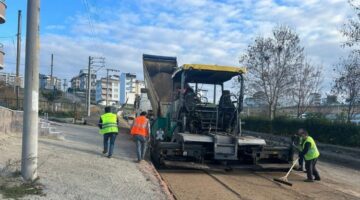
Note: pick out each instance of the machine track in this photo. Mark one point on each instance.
(226, 186)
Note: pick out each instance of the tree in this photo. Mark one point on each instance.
(307, 80)
(272, 62)
(51, 95)
(348, 82)
(351, 29)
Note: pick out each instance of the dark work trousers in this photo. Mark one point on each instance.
(111, 137)
(141, 146)
(311, 170)
(301, 161)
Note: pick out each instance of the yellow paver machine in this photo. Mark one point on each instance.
(197, 125)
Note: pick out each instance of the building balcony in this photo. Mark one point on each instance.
(2, 11)
(1, 56)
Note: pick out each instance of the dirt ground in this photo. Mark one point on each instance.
(75, 168)
(337, 183)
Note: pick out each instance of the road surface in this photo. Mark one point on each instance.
(338, 183)
(74, 168)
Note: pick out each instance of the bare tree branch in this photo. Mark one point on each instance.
(307, 79)
(348, 82)
(272, 62)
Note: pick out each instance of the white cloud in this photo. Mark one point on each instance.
(55, 27)
(202, 31)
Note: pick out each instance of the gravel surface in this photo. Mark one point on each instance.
(74, 168)
(195, 184)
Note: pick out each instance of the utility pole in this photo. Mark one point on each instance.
(18, 51)
(88, 103)
(107, 83)
(65, 85)
(93, 62)
(107, 86)
(29, 158)
(52, 84)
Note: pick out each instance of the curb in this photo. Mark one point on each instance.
(164, 186)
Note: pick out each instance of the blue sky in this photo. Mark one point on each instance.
(196, 31)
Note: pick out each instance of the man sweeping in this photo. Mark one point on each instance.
(108, 125)
(140, 130)
(311, 154)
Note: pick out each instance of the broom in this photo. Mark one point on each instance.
(284, 179)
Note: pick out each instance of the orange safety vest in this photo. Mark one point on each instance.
(140, 126)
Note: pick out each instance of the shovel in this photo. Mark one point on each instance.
(284, 179)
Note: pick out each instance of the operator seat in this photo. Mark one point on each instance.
(226, 109)
(225, 100)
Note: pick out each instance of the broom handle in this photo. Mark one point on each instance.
(293, 165)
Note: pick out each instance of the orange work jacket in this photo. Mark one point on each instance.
(140, 126)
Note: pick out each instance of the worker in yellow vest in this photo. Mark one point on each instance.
(311, 154)
(108, 125)
(140, 130)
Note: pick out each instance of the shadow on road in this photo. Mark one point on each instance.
(88, 151)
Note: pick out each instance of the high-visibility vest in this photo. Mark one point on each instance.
(109, 123)
(313, 152)
(140, 126)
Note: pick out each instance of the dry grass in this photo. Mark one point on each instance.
(12, 185)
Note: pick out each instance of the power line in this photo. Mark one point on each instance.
(87, 8)
(91, 25)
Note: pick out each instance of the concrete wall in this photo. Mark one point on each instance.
(10, 121)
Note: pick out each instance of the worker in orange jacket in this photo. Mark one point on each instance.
(140, 130)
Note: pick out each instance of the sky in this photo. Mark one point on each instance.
(195, 31)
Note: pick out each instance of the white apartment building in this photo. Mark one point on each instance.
(75, 83)
(46, 83)
(83, 79)
(138, 86)
(112, 89)
(129, 88)
(10, 79)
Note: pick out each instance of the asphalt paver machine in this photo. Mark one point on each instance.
(190, 126)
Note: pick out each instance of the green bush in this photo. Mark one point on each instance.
(322, 130)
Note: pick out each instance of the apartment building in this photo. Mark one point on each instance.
(110, 88)
(45, 82)
(10, 79)
(127, 88)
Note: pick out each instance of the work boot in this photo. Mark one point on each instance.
(309, 180)
(104, 152)
(318, 179)
(109, 156)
